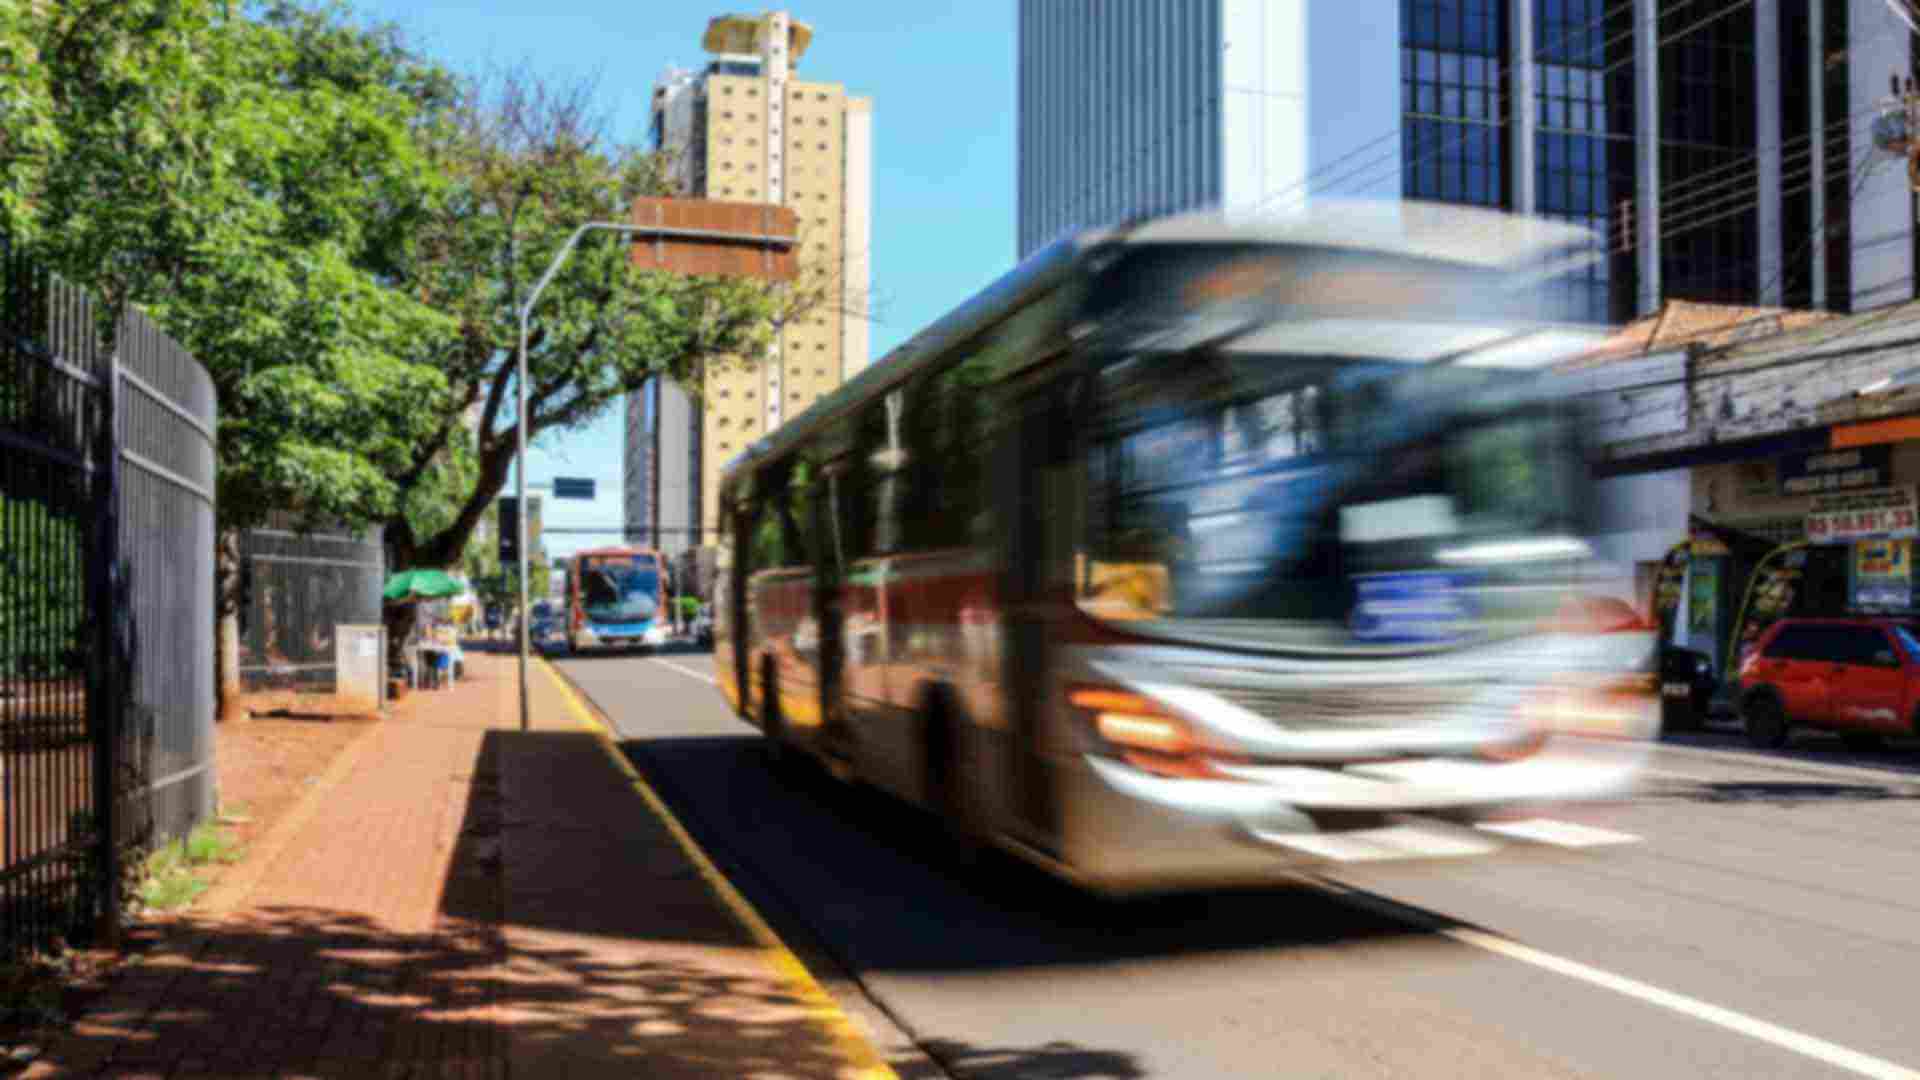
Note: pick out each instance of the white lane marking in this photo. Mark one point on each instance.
(1392, 842)
(1785, 1038)
(1669, 774)
(1558, 833)
(688, 672)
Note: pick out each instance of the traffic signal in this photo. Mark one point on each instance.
(509, 531)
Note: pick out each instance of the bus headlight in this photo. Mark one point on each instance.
(1626, 709)
(1140, 732)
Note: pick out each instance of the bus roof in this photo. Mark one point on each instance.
(1469, 236)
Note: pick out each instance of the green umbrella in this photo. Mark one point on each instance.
(422, 585)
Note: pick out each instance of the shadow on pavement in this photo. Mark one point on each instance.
(1783, 793)
(1897, 754)
(1063, 1060)
(878, 883)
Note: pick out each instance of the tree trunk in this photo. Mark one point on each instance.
(226, 628)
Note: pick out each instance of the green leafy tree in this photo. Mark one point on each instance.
(251, 175)
(528, 161)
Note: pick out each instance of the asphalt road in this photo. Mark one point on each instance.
(1766, 925)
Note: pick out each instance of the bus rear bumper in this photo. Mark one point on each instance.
(1126, 828)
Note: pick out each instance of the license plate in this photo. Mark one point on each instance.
(1676, 689)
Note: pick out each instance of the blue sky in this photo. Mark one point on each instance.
(941, 76)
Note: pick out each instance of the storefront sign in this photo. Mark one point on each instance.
(1835, 470)
(1883, 573)
(1876, 512)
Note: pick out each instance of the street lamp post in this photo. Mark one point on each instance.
(520, 381)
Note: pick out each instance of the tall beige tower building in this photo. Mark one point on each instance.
(748, 128)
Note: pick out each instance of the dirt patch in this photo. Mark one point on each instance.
(266, 764)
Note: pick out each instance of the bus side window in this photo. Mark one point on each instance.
(883, 460)
(959, 438)
(769, 539)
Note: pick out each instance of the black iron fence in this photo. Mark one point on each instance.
(106, 601)
(299, 589)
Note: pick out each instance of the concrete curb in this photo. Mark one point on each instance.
(865, 1061)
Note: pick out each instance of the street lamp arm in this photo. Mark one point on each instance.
(560, 259)
(520, 383)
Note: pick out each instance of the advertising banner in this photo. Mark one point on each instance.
(1883, 573)
(1877, 512)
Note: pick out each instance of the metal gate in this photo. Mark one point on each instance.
(300, 588)
(106, 601)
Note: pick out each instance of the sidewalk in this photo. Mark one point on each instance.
(457, 898)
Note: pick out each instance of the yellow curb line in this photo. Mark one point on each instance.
(824, 1009)
(232, 892)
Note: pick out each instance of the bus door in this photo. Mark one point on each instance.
(1035, 458)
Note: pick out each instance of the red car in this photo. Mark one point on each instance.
(1857, 676)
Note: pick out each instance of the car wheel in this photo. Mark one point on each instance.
(1861, 740)
(1765, 720)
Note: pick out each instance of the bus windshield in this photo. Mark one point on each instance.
(1261, 498)
(618, 589)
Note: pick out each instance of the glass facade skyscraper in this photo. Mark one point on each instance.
(1715, 150)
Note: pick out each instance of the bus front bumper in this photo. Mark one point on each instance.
(615, 636)
(1129, 829)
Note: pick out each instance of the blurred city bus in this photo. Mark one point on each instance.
(1196, 552)
(616, 597)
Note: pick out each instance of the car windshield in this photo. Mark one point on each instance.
(1290, 500)
(621, 588)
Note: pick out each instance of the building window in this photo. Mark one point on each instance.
(1454, 150)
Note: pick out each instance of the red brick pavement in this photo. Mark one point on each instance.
(463, 900)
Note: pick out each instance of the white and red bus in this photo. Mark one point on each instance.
(1195, 552)
(617, 597)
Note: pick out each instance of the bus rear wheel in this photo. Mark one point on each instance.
(944, 783)
(773, 724)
